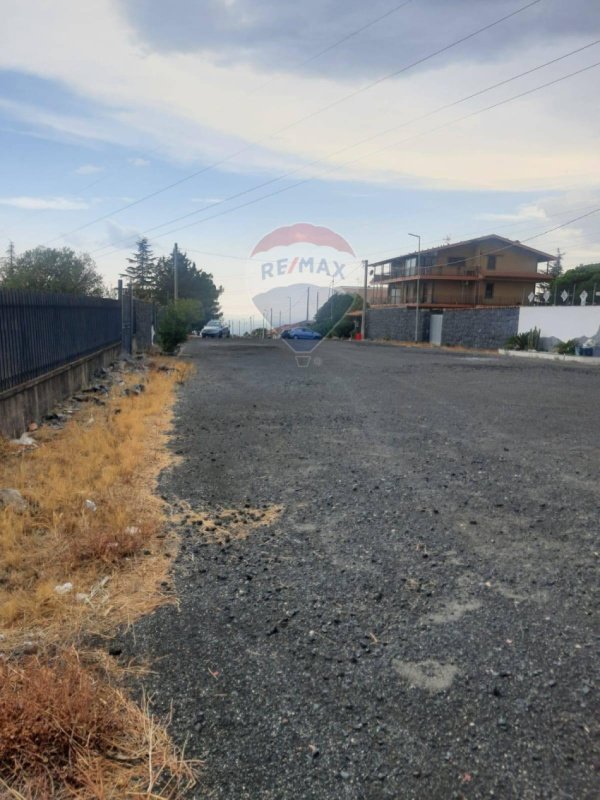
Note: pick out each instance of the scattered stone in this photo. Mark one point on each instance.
(29, 648)
(24, 441)
(90, 505)
(64, 588)
(12, 498)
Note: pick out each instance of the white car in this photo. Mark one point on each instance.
(215, 330)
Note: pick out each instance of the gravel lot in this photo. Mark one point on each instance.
(421, 621)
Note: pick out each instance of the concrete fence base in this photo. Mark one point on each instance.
(30, 401)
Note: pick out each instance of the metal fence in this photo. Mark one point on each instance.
(40, 332)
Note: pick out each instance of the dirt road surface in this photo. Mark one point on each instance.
(420, 621)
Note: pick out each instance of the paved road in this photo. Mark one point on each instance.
(421, 621)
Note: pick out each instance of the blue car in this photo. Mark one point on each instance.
(303, 333)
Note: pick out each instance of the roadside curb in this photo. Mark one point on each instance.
(589, 360)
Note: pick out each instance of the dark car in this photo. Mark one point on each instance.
(303, 333)
(214, 330)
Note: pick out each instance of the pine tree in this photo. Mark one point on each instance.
(141, 269)
(10, 255)
(556, 268)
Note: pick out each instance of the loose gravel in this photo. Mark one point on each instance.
(420, 620)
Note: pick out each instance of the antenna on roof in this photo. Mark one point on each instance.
(446, 239)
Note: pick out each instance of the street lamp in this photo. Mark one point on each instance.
(416, 236)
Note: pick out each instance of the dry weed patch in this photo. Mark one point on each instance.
(226, 524)
(87, 554)
(92, 516)
(68, 732)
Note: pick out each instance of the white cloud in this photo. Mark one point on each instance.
(191, 108)
(89, 169)
(44, 203)
(139, 162)
(119, 235)
(523, 214)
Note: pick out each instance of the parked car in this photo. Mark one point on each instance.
(303, 333)
(215, 330)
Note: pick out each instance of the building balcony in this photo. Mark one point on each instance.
(461, 274)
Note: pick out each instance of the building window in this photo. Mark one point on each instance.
(489, 291)
(491, 262)
(410, 266)
(459, 262)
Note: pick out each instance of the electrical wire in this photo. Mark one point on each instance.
(306, 117)
(337, 167)
(365, 140)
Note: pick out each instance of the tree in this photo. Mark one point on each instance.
(556, 268)
(141, 269)
(47, 269)
(331, 320)
(176, 322)
(585, 276)
(193, 284)
(10, 254)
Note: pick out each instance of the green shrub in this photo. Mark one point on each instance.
(529, 340)
(517, 342)
(176, 322)
(567, 348)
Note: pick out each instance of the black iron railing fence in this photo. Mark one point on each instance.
(40, 332)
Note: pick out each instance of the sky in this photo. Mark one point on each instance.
(212, 123)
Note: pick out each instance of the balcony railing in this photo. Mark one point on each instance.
(450, 270)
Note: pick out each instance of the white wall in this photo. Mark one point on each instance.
(562, 322)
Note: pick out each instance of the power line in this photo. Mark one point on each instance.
(374, 152)
(344, 149)
(296, 65)
(336, 44)
(312, 114)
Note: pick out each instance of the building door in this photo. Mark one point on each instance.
(435, 328)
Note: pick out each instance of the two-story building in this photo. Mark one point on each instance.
(487, 271)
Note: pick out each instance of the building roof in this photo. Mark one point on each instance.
(505, 245)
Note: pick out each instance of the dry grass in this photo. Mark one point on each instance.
(231, 523)
(67, 730)
(110, 455)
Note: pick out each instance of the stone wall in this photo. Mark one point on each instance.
(483, 328)
(30, 401)
(397, 324)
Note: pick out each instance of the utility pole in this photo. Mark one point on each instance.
(317, 307)
(175, 276)
(416, 236)
(271, 321)
(290, 317)
(363, 320)
(307, 303)
(10, 254)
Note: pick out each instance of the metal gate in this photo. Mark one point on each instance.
(435, 328)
